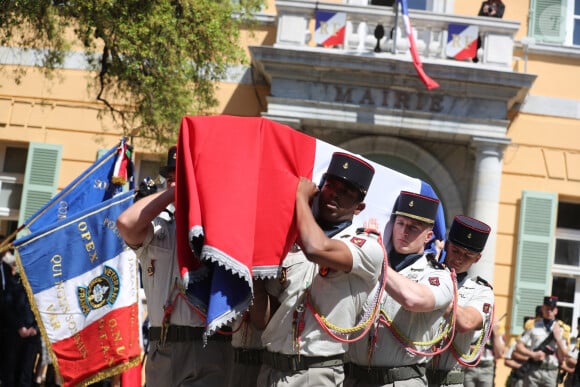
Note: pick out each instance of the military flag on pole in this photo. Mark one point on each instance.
(81, 278)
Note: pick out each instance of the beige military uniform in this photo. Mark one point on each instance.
(181, 360)
(338, 296)
(388, 352)
(475, 293)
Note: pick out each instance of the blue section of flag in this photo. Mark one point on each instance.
(225, 299)
(323, 17)
(85, 241)
(455, 29)
(91, 187)
(439, 229)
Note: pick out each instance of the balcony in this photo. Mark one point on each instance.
(296, 21)
(367, 85)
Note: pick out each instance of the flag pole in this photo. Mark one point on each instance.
(394, 30)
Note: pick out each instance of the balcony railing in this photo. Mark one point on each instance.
(296, 23)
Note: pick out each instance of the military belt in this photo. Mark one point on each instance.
(443, 377)
(486, 363)
(293, 363)
(180, 333)
(385, 375)
(248, 356)
(548, 367)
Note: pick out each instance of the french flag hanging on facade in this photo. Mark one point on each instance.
(461, 41)
(235, 195)
(330, 28)
(430, 83)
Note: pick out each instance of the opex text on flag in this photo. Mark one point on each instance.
(93, 186)
(235, 197)
(461, 41)
(330, 28)
(82, 280)
(427, 81)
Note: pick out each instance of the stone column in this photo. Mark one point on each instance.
(485, 191)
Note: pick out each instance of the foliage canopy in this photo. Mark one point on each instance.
(155, 60)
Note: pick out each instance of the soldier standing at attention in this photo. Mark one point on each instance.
(330, 272)
(544, 369)
(465, 242)
(418, 291)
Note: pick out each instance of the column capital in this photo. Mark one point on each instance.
(489, 145)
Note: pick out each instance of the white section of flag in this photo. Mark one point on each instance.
(60, 308)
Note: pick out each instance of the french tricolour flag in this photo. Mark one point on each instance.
(427, 81)
(235, 195)
(330, 27)
(461, 41)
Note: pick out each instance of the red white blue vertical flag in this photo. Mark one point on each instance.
(330, 28)
(430, 83)
(461, 41)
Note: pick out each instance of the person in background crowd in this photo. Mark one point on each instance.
(492, 8)
(177, 355)
(8, 324)
(570, 364)
(21, 344)
(331, 269)
(514, 360)
(544, 343)
(465, 243)
(489, 8)
(417, 293)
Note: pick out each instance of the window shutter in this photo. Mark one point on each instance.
(548, 21)
(535, 254)
(40, 178)
(100, 153)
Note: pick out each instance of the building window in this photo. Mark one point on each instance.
(566, 268)
(12, 168)
(555, 22)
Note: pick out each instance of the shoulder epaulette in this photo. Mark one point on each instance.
(362, 230)
(433, 260)
(483, 282)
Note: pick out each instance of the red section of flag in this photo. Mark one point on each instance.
(132, 377)
(236, 184)
(469, 52)
(336, 39)
(112, 340)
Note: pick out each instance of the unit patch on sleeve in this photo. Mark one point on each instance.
(486, 308)
(434, 281)
(358, 241)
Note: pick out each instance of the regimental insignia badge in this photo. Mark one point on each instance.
(345, 166)
(323, 271)
(358, 241)
(151, 269)
(411, 204)
(102, 290)
(469, 236)
(486, 308)
(434, 281)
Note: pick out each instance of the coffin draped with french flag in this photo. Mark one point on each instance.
(80, 277)
(235, 193)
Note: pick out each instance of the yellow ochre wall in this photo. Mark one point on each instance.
(544, 153)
